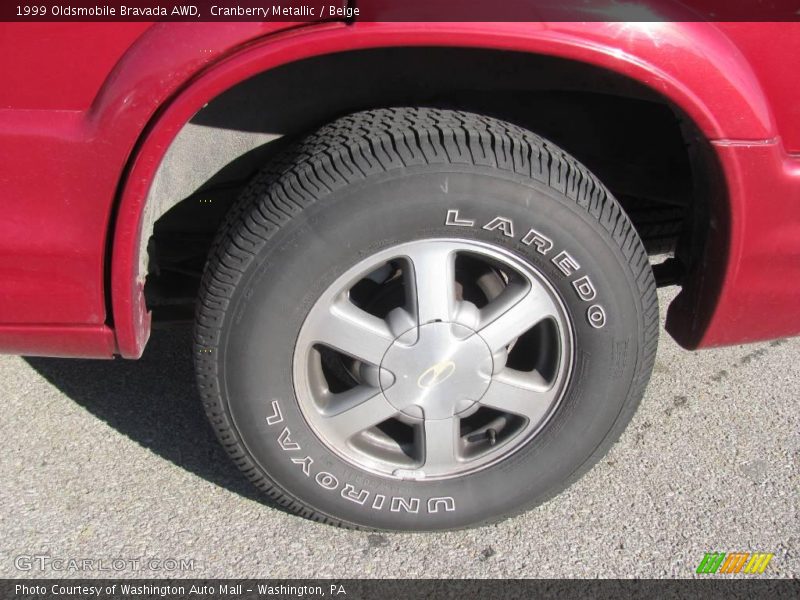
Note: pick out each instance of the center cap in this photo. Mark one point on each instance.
(440, 370)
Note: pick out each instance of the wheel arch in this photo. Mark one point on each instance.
(691, 66)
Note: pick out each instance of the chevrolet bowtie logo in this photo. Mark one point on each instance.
(436, 374)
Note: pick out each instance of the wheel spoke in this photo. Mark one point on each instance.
(514, 312)
(524, 394)
(441, 439)
(363, 408)
(353, 331)
(434, 281)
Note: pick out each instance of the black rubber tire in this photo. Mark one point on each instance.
(384, 177)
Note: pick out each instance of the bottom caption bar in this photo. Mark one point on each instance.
(140, 589)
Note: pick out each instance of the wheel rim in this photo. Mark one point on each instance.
(433, 359)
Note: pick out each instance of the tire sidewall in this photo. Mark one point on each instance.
(340, 229)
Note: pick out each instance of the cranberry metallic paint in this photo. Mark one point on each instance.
(74, 177)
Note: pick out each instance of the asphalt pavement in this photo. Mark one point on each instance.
(112, 462)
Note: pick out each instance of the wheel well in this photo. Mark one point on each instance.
(643, 148)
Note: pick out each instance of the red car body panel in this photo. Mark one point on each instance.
(81, 140)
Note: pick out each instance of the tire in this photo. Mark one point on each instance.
(659, 225)
(300, 322)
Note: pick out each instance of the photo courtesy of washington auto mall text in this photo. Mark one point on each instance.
(376, 299)
(177, 589)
